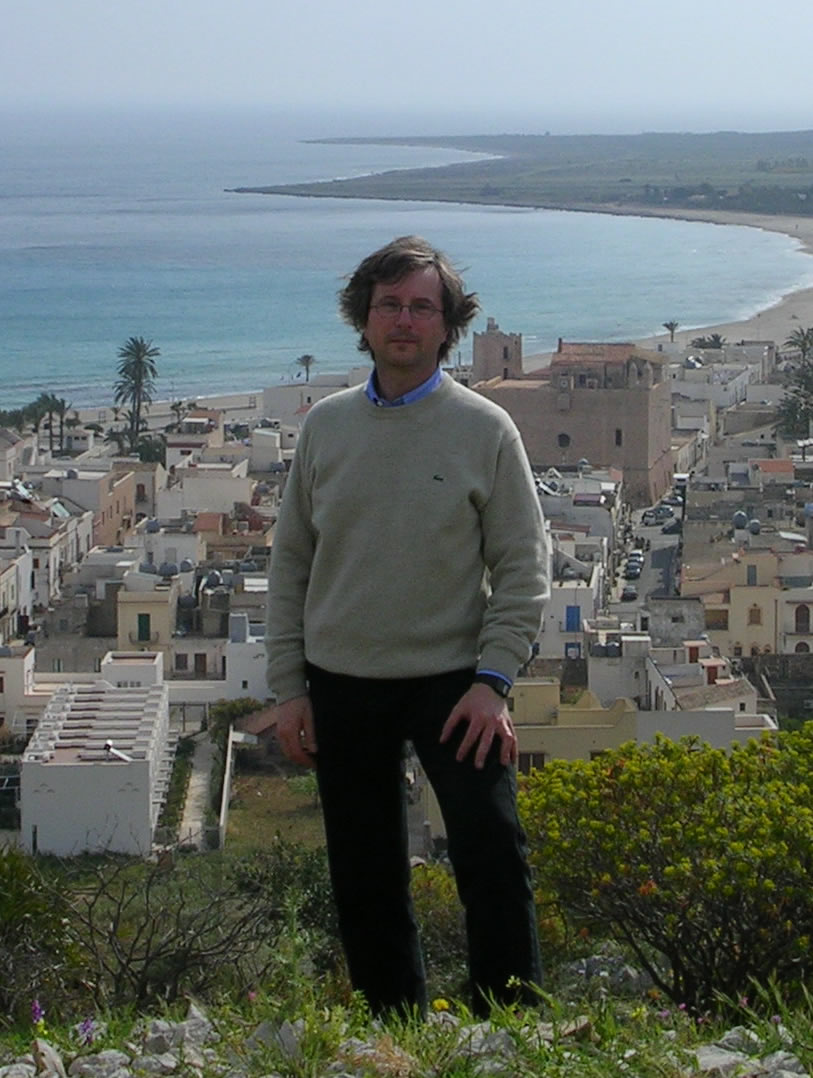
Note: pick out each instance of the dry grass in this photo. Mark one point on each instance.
(264, 805)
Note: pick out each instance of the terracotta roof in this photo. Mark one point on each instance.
(778, 466)
(209, 522)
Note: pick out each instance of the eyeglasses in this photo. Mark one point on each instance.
(421, 309)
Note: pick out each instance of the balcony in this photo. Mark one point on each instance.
(136, 638)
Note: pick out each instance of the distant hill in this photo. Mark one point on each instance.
(726, 170)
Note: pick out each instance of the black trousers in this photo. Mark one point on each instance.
(362, 725)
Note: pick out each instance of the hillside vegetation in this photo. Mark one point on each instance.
(759, 173)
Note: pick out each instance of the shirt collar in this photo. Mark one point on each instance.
(421, 391)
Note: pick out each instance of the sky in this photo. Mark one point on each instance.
(575, 66)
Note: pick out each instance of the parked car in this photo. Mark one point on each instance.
(672, 499)
(672, 527)
(663, 511)
(629, 593)
(649, 518)
(636, 555)
(632, 570)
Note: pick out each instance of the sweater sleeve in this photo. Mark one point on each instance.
(517, 556)
(289, 572)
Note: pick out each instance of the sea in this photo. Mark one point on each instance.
(122, 224)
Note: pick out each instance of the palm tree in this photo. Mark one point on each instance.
(802, 341)
(61, 407)
(45, 405)
(306, 362)
(714, 340)
(34, 414)
(671, 326)
(136, 382)
(178, 409)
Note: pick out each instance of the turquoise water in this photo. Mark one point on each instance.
(114, 227)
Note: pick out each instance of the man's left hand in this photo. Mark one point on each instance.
(487, 716)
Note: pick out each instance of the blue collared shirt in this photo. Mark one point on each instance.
(421, 391)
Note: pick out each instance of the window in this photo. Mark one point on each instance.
(737, 651)
(573, 619)
(563, 440)
(2, 683)
(143, 628)
(802, 618)
(716, 619)
(751, 574)
(529, 760)
(97, 665)
(181, 661)
(801, 649)
(36, 563)
(57, 665)
(244, 684)
(619, 437)
(755, 615)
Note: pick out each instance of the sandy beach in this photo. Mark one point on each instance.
(776, 323)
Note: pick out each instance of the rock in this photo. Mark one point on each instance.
(784, 1062)
(18, 1070)
(47, 1059)
(109, 1063)
(741, 1039)
(165, 1063)
(720, 1062)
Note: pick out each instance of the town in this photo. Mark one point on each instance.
(132, 587)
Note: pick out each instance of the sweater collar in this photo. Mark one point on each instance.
(421, 391)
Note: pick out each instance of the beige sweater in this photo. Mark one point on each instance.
(410, 542)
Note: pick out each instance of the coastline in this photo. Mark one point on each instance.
(775, 323)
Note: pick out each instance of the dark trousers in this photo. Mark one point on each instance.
(362, 725)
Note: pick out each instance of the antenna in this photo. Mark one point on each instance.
(117, 753)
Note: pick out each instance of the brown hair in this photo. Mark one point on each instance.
(391, 264)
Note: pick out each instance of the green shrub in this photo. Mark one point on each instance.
(292, 886)
(36, 958)
(697, 859)
(442, 928)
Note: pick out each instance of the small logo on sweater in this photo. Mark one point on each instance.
(438, 478)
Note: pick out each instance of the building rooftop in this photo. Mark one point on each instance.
(98, 722)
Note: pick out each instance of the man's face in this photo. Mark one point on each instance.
(402, 342)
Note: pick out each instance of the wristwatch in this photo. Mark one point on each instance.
(500, 686)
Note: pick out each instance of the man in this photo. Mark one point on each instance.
(408, 572)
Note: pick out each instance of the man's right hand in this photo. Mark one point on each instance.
(295, 733)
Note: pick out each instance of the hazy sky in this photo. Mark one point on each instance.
(490, 65)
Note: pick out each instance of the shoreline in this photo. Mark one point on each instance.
(774, 323)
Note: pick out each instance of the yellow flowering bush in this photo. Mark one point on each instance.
(701, 860)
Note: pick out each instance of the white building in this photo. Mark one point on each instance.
(289, 402)
(96, 771)
(245, 659)
(198, 487)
